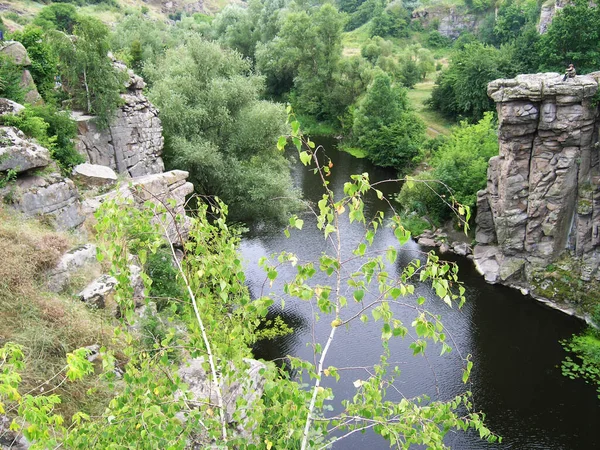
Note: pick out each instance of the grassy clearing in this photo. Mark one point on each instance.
(47, 325)
(436, 123)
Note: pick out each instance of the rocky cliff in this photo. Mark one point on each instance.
(133, 143)
(542, 201)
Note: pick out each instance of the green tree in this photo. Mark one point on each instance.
(43, 59)
(461, 90)
(59, 16)
(217, 128)
(235, 28)
(391, 21)
(86, 71)
(573, 37)
(460, 166)
(385, 126)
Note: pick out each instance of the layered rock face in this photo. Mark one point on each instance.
(542, 197)
(133, 143)
(452, 21)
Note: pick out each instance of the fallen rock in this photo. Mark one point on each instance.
(9, 107)
(94, 175)
(15, 51)
(99, 292)
(426, 242)
(461, 248)
(70, 262)
(444, 248)
(19, 153)
(486, 262)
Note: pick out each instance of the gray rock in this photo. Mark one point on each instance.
(93, 175)
(485, 259)
(11, 440)
(20, 153)
(9, 107)
(426, 242)
(444, 248)
(16, 51)
(98, 293)
(50, 196)
(159, 189)
(133, 143)
(249, 387)
(461, 248)
(72, 261)
(543, 189)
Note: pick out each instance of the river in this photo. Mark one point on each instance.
(514, 340)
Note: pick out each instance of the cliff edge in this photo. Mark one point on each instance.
(542, 201)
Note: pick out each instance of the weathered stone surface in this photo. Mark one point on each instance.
(70, 262)
(159, 189)
(31, 93)
(250, 387)
(93, 175)
(543, 191)
(133, 143)
(452, 20)
(51, 196)
(9, 107)
(98, 293)
(11, 440)
(426, 242)
(548, 12)
(16, 51)
(17, 152)
(461, 248)
(486, 262)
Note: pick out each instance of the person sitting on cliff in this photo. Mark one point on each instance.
(570, 72)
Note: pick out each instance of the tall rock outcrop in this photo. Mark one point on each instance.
(18, 54)
(133, 143)
(542, 200)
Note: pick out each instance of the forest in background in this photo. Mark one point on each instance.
(348, 68)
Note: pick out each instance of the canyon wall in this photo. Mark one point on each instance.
(542, 201)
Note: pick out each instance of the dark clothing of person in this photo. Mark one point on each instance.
(570, 73)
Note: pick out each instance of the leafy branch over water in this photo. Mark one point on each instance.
(214, 322)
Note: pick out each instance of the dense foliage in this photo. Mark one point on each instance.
(217, 127)
(459, 170)
(385, 126)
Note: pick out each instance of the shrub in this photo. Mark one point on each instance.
(52, 128)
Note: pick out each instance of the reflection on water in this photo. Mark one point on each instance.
(514, 340)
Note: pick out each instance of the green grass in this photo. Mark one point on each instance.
(435, 122)
(355, 39)
(354, 151)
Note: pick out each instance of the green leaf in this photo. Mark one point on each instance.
(358, 295)
(305, 158)
(281, 143)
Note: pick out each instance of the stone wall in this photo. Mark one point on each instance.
(133, 143)
(542, 199)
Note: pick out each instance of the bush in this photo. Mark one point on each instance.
(10, 80)
(437, 40)
(53, 129)
(460, 164)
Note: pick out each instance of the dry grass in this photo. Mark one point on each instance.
(47, 325)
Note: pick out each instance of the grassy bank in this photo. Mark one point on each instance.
(47, 325)
(435, 122)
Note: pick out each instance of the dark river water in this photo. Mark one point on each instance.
(516, 380)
